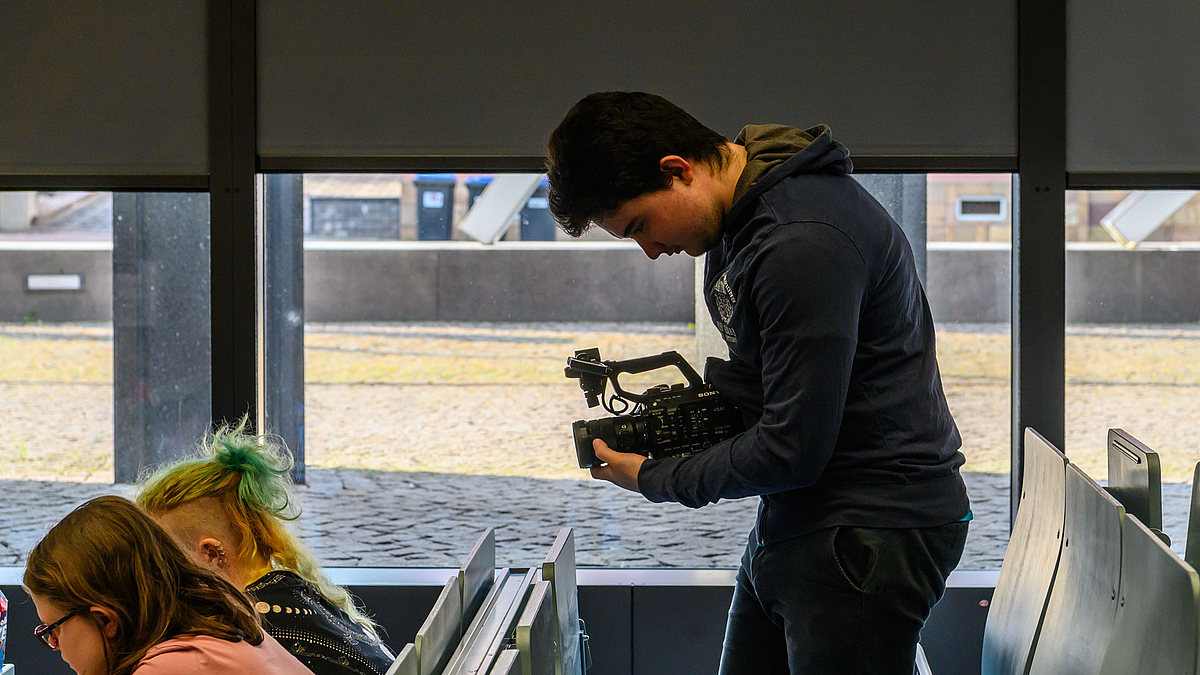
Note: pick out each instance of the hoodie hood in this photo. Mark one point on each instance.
(774, 151)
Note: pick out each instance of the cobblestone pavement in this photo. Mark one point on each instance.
(356, 517)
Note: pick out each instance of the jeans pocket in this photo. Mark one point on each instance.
(853, 555)
(945, 544)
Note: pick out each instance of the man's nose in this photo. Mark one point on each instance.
(651, 249)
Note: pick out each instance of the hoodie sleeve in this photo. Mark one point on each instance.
(806, 284)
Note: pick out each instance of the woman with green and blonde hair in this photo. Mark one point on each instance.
(228, 508)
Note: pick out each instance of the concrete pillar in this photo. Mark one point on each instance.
(17, 210)
(708, 339)
(283, 338)
(904, 196)
(161, 328)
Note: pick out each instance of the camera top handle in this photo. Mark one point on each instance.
(592, 372)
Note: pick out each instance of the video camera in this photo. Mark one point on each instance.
(666, 421)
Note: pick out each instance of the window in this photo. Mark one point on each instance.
(432, 368)
(432, 371)
(104, 328)
(1133, 342)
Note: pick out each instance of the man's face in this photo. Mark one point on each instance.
(685, 217)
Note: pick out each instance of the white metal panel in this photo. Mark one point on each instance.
(1142, 212)
(502, 199)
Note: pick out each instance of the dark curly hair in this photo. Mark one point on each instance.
(606, 151)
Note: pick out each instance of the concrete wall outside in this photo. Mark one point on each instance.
(1105, 283)
(505, 282)
(414, 281)
(968, 282)
(93, 303)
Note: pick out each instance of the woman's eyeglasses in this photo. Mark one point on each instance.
(45, 633)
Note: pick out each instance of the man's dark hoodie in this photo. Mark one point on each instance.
(832, 357)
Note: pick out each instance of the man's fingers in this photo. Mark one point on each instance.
(619, 468)
(602, 451)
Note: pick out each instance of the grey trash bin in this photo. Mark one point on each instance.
(536, 222)
(435, 204)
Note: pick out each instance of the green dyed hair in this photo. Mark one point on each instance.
(251, 477)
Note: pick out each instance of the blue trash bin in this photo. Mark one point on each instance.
(475, 187)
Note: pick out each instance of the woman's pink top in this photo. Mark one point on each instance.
(204, 654)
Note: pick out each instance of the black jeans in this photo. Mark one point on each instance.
(842, 600)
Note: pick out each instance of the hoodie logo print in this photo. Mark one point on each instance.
(724, 300)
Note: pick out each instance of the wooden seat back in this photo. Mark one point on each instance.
(1157, 626)
(1078, 624)
(1030, 562)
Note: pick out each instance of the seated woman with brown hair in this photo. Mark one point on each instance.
(119, 597)
(227, 508)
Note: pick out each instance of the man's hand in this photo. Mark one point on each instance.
(622, 467)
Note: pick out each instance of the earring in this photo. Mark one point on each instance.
(221, 560)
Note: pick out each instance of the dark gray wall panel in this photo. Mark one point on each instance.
(371, 285)
(103, 87)
(574, 285)
(1133, 86)
(608, 613)
(469, 77)
(500, 284)
(679, 629)
(953, 634)
(399, 610)
(92, 303)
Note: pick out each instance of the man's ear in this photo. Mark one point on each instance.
(107, 620)
(678, 167)
(212, 552)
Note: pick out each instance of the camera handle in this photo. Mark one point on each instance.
(648, 363)
(592, 373)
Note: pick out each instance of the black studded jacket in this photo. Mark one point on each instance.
(314, 630)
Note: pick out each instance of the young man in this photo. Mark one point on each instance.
(849, 441)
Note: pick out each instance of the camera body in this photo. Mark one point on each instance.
(667, 421)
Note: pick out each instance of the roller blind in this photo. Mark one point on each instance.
(377, 77)
(1133, 86)
(114, 87)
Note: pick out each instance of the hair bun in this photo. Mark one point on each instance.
(236, 457)
(262, 467)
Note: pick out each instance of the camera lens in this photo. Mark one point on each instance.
(583, 444)
(623, 434)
